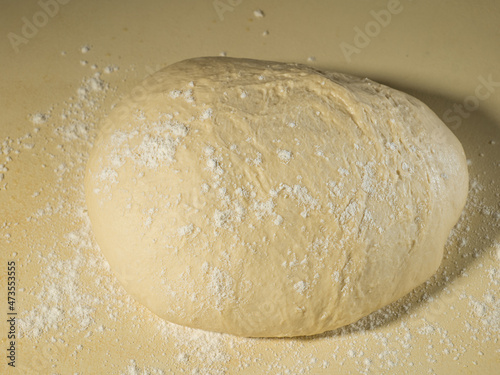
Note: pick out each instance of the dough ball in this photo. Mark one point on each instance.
(267, 199)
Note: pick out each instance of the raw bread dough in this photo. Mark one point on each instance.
(268, 199)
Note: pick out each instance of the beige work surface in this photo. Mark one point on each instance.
(63, 66)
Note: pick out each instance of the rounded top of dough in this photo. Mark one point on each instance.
(269, 199)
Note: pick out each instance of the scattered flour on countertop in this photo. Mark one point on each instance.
(39, 118)
(133, 369)
(74, 295)
(258, 13)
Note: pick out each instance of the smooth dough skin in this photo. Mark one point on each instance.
(267, 199)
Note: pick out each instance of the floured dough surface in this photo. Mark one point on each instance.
(268, 199)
